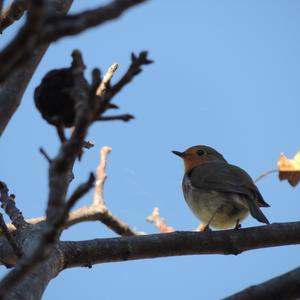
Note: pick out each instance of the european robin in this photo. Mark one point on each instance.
(221, 195)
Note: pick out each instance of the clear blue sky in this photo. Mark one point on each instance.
(226, 74)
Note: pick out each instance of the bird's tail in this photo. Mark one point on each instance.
(256, 212)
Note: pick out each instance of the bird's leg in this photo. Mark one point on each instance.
(203, 227)
(237, 224)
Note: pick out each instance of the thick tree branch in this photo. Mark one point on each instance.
(58, 27)
(12, 89)
(86, 105)
(179, 243)
(55, 27)
(59, 170)
(285, 286)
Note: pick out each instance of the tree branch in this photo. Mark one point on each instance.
(106, 79)
(12, 89)
(58, 27)
(79, 193)
(179, 243)
(124, 117)
(134, 69)
(9, 206)
(55, 27)
(285, 286)
(59, 170)
(159, 222)
(17, 250)
(11, 14)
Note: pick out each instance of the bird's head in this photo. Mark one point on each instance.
(197, 155)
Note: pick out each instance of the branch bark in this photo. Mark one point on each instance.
(285, 286)
(11, 14)
(179, 243)
(13, 88)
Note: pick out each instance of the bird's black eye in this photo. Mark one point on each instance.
(200, 152)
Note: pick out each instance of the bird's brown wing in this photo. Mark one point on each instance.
(225, 178)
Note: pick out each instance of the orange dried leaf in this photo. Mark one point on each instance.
(289, 169)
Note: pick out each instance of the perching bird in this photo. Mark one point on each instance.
(219, 194)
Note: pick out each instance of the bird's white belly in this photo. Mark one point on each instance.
(221, 210)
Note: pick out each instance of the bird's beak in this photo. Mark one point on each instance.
(180, 154)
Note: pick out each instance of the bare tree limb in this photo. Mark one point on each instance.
(124, 117)
(285, 286)
(59, 171)
(98, 199)
(54, 28)
(134, 69)
(89, 214)
(27, 36)
(79, 193)
(106, 80)
(98, 208)
(58, 27)
(12, 89)
(9, 206)
(45, 154)
(159, 222)
(179, 243)
(11, 14)
(17, 250)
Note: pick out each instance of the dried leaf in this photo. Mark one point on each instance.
(289, 169)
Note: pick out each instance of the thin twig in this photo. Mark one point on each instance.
(104, 215)
(265, 174)
(98, 199)
(88, 144)
(44, 153)
(80, 191)
(106, 79)
(134, 69)
(159, 222)
(17, 250)
(124, 117)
